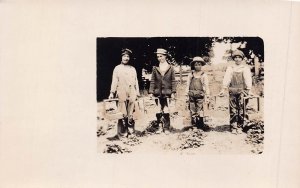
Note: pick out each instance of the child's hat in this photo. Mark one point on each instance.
(126, 51)
(197, 59)
(161, 51)
(238, 53)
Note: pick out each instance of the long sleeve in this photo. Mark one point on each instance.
(188, 83)
(137, 84)
(152, 81)
(174, 83)
(227, 77)
(247, 77)
(206, 84)
(114, 82)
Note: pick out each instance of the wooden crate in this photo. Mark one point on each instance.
(111, 109)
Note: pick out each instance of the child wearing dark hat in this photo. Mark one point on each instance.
(125, 87)
(238, 81)
(198, 92)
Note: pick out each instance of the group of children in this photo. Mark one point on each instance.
(237, 81)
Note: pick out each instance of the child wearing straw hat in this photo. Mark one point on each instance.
(198, 92)
(163, 85)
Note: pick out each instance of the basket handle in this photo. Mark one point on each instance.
(110, 100)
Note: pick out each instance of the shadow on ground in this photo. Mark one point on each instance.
(221, 128)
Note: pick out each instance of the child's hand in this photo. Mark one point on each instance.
(221, 94)
(186, 98)
(246, 92)
(206, 98)
(172, 96)
(111, 95)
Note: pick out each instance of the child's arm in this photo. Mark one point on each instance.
(186, 93)
(226, 80)
(137, 84)
(152, 81)
(248, 78)
(188, 84)
(227, 77)
(206, 84)
(114, 83)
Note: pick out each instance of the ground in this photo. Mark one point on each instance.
(184, 139)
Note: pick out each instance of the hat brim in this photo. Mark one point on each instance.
(202, 62)
(237, 55)
(192, 64)
(160, 53)
(126, 53)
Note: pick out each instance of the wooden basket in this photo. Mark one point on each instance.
(111, 109)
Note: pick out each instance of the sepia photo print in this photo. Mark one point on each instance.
(184, 95)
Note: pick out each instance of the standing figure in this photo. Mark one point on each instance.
(198, 92)
(125, 87)
(163, 86)
(238, 80)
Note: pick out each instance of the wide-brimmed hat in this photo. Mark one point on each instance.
(197, 59)
(161, 51)
(238, 53)
(126, 51)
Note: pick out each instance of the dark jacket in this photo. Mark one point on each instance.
(162, 85)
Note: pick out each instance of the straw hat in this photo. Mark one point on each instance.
(161, 51)
(197, 59)
(238, 53)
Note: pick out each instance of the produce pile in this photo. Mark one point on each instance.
(255, 134)
(132, 141)
(193, 138)
(122, 145)
(115, 148)
(101, 132)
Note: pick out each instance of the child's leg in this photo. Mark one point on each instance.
(242, 117)
(199, 107)
(193, 110)
(165, 115)
(233, 109)
(122, 127)
(130, 107)
(122, 123)
(164, 104)
(122, 107)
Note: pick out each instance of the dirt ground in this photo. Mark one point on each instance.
(184, 139)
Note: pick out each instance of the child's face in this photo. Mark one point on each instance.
(238, 59)
(161, 58)
(125, 58)
(198, 66)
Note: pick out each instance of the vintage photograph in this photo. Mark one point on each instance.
(181, 95)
